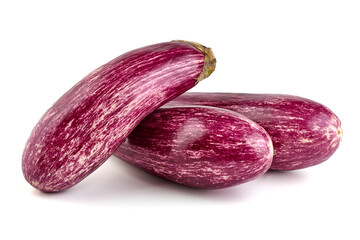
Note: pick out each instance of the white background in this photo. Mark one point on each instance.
(306, 48)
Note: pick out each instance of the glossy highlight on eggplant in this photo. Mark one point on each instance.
(200, 147)
(304, 133)
(83, 128)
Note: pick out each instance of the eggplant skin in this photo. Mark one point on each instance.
(304, 133)
(77, 134)
(200, 147)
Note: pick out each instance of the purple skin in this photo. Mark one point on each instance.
(304, 133)
(200, 147)
(89, 122)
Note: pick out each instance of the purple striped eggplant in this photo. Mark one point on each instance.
(89, 122)
(200, 147)
(304, 133)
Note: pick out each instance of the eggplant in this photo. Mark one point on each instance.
(199, 147)
(304, 133)
(90, 121)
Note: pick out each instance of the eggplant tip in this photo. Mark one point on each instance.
(209, 59)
